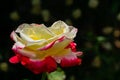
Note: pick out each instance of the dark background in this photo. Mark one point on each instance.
(98, 36)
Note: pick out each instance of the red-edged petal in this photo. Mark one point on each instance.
(52, 43)
(78, 53)
(12, 36)
(35, 66)
(47, 46)
(14, 60)
(50, 64)
(18, 49)
(38, 66)
(61, 38)
(69, 60)
(72, 62)
(72, 45)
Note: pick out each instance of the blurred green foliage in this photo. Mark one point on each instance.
(98, 22)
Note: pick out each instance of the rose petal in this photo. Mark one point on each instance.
(70, 55)
(39, 66)
(58, 48)
(72, 33)
(33, 34)
(14, 60)
(21, 27)
(13, 36)
(78, 53)
(72, 45)
(70, 60)
(34, 66)
(26, 38)
(26, 53)
(50, 64)
(59, 27)
(47, 46)
(44, 44)
(18, 49)
(18, 45)
(16, 38)
(52, 43)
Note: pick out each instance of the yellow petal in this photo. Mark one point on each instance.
(16, 38)
(72, 33)
(43, 54)
(57, 50)
(37, 32)
(59, 27)
(38, 45)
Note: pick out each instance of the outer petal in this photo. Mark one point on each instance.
(36, 66)
(16, 38)
(21, 27)
(52, 43)
(14, 60)
(72, 45)
(45, 44)
(18, 49)
(50, 64)
(18, 45)
(69, 60)
(39, 66)
(26, 53)
(59, 27)
(32, 33)
(13, 36)
(58, 49)
(72, 33)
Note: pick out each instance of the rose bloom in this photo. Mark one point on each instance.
(40, 48)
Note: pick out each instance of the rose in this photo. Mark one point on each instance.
(38, 47)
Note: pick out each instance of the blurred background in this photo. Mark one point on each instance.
(98, 22)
